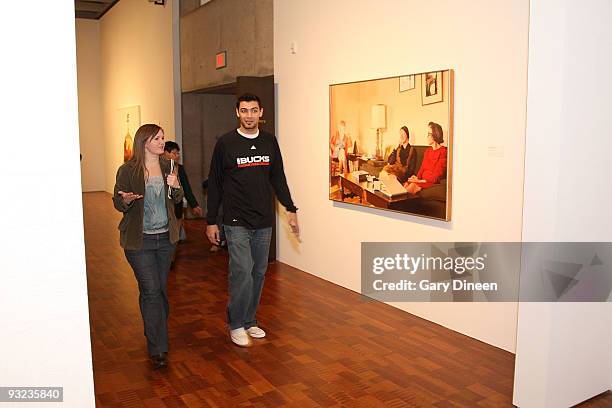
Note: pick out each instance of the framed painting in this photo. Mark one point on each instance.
(388, 149)
(431, 87)
(129, 122)
(406, 83)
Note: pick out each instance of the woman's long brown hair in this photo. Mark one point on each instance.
(143, 135)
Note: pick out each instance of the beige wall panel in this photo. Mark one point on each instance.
(91, 134)
(137, 69)
(187, 6)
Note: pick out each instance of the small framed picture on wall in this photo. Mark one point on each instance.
(406, 83)
(431, 87)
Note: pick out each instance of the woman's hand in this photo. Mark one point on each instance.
(129, 197)
(172, 180)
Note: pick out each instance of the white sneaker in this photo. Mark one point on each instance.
(256, 332)
(240, 337)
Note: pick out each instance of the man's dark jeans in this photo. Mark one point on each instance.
(151, 265)
(248, 262)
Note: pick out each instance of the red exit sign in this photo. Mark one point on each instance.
(221, 60)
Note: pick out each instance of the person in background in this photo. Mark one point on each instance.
(219, 222)
(402, 160)
(339, 145)
(145, 193)
(246, 167)
(172, 151)
(433, 167)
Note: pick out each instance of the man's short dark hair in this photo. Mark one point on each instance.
(248, 97)
(170, 146)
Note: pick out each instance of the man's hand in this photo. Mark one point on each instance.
(197, 211)
(129, 197)
(213, 233)
(293, 223)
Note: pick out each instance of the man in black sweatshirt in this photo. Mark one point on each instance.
(246, 166)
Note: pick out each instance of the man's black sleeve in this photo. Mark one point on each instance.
(184, 180)
(215, 184)
(279, 181)
(392, 157)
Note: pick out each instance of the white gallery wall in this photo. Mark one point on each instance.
(91, 133)
(485, 42)
(563, 349)
(44, 340)
(136, 57)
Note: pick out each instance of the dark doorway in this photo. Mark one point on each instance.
(209, 113)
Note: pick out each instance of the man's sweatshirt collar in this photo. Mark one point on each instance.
(253, 136)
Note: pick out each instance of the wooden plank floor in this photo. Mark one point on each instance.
(326, 346)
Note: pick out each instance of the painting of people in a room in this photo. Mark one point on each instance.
(391, 148)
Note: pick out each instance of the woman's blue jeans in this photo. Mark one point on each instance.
(151, 265)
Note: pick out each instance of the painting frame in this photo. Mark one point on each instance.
(406, 83)
(354, 189)
(432, 90)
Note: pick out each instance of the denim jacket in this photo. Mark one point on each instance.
(131, 225)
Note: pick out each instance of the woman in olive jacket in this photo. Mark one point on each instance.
(145, 192)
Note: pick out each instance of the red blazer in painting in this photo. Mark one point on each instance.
(433, 167)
